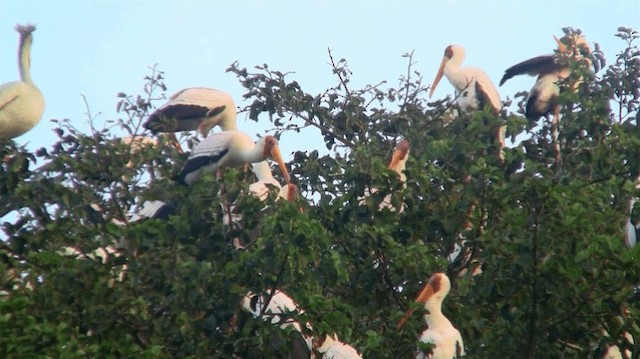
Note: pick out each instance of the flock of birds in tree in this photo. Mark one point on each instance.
(201, 109)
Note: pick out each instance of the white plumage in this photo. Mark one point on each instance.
(333, 348)
(441, 333)
(21, 102)
(194, 108)
(229, 149)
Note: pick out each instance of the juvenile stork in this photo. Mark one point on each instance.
(440, 332)
(473, 88)
(21, 102)
(229, 149)
(551, 69)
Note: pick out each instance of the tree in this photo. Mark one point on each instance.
(547, 235)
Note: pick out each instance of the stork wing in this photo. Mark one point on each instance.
(489, 94)
(9, 92)
(207, 152)
(531, 67)
(188, 107)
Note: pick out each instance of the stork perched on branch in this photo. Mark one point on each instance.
(21, 102)
(473, 89)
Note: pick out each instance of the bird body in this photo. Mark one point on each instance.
(543, 97)
(229, 149)
(440, 332)
(21, 102)
(194, 108)
(472, 83)
(333, 348)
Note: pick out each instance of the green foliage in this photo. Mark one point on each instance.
(547, 235)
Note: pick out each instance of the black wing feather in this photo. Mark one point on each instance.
(532, 67)
(194, 164)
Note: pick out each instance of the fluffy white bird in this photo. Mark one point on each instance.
(229, 149)
(194, 108)
(440, 332)
(21, 102)
(332, 348)
(473, 88)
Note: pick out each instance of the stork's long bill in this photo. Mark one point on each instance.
(429, 289)
(400, 153)
(448, 54)
(271, 148)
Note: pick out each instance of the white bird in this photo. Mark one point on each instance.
(21, 102)
(543, 98)
(473, 87)
(194, 108)
(153, 210)
(277, 307)
(440, 332)
(397, 164)
(264, 176)
(229, 149)
(332, 348)
(632, 227)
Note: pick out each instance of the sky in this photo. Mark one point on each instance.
(97, 49)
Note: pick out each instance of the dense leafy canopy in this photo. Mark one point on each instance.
(547, 236)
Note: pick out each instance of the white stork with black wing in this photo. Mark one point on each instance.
(229, 149)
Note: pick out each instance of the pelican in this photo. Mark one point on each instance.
(440, 332)
(277, 307)
(21, 102)
(397, 164)
(543, 97)
(229, 149)
(472, 86)
(332, 348)
(194, 108)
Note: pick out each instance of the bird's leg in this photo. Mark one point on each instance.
(500, 133)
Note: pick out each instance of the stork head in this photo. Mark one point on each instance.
(454, 54)
(433, 293)
(400, 155)
(271, 149)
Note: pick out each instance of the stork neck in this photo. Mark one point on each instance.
(435, 312)
(255, 154)
(262, 171)
(24, 58)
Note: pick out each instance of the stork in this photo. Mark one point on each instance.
(21, 102)
(397, 164)
(276, 307)
(440, 332)
(229, 149)
(473, 88)
(544, 95)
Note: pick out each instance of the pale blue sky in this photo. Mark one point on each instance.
(98, 49)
